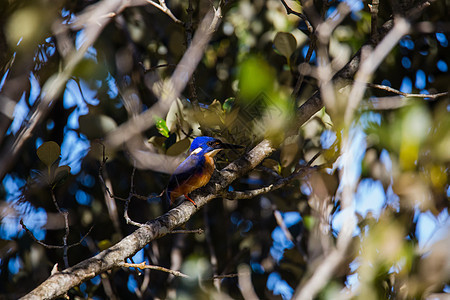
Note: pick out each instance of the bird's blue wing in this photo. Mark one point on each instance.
(188, 168)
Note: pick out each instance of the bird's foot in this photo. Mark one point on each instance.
(192, 201)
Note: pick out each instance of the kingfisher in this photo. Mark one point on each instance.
(196, 170)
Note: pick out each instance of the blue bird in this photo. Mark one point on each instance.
(196, 170)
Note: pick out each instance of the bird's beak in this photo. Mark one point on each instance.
(213, 152)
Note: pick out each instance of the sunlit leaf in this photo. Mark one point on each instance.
(162, 127)
(48, 152)
(285, 44)
(309, 222)
(179, 147)
(256, 76)
(28, 25)
(104, 244)
(272, 164)
(228, 104)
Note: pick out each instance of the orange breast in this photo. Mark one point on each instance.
(196, 180)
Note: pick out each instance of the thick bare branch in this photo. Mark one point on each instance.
(61, 282)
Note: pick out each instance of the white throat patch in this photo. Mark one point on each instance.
(196, 150)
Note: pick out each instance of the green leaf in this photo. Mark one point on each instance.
(285, 44)
(256, 76)
(179, 147)
(96, 126)
(272, 164)
(162, 127)
(309, 222)
(48, 152)
(104, 244)
(228, 104)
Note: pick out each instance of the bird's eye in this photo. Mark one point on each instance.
(212, 143)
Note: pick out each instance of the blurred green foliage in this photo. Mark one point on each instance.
(242, 94)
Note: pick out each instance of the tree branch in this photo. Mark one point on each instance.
(163, 7)
(235, 195)
(392, 90)
(61, 282)
(143, 266)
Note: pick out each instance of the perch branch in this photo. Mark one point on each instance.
(61, 282)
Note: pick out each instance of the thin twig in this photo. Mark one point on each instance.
(55, 202)
(28, 231)
(109, 197)
(280, 222)
(66, 235)
(36, 240)
(298, 14)
(163, 7)
(156, 67)
(309, 163)
(100, 169)
(82, 239)
(198, 231)
(127, 202)
(65, 214)
(102, 180)
(145, 198)
(392, 90)
(144, 266)
(225, 276)
(235, 195)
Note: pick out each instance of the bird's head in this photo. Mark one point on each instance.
(208, 145)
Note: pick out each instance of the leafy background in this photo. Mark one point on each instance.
(398, 158)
